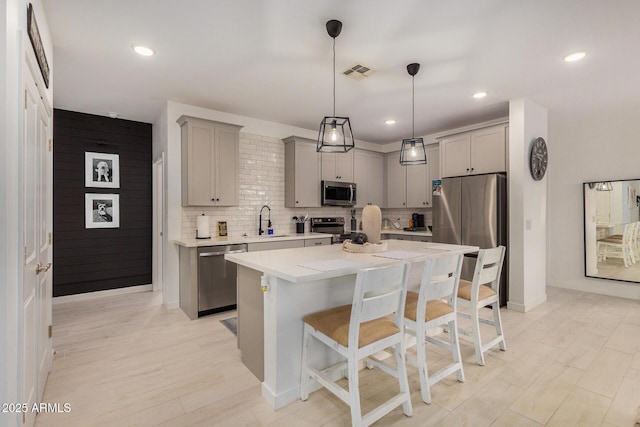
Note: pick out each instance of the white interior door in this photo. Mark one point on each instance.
(37, 220)
(31, 246)
(158, 223)
(43, 227)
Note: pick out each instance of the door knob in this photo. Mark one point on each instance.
(41, 268)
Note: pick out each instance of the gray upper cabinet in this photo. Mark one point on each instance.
(396, 181)
(419, 179)
(210, 162)
(369, 178)
(337, 166)
(301, 173)
(410, 186)
(477, 152)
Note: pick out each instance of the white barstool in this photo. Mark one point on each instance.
(359, 330)
(483, 291)
(434, 306)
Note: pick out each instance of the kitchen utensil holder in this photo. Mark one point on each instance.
(300, 227)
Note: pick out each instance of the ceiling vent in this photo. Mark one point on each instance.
(358, 72)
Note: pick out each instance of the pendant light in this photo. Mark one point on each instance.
(604, 186)
(335, 135)
(413, 152)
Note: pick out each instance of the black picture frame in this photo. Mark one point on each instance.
(36, 42)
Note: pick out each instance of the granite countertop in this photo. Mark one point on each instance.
(233, 240)
(288, 264)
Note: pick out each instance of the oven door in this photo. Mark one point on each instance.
(338, 193)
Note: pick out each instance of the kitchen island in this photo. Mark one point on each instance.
(281, 287)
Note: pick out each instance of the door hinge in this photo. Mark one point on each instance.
(50, 144)
(50, 238)
(50, 331)
(25, 99)
(25, 253)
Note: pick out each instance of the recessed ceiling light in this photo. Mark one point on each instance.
(390, 122)
(143, 50)
(479, 95)
(576, 56)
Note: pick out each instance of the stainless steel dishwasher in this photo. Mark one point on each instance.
(217, 278)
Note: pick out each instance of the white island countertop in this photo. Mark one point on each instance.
(425, 233)
(294, 265)
(195, 243)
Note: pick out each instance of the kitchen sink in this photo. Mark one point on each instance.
(267, 236)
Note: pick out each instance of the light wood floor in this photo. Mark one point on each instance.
(126, 360)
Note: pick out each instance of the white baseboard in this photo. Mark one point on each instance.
(101, 294)
(523, 308)
(172, 304)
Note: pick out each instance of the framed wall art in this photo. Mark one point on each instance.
(36, 42)
(101, 170)
(102, 210)
(222, 228)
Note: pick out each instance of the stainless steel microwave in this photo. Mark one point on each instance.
(336, 193)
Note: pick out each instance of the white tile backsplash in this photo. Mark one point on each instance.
(261, 181)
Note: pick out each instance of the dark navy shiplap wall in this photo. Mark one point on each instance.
(87, 260)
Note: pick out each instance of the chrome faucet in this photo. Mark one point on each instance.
(260, 230)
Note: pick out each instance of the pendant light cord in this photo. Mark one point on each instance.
(334, 77)
(413, 106)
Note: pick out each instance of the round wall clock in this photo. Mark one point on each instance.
(539, 158)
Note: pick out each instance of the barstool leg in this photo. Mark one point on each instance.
(354, 392)
(304, 376)
(497, 321)
(475, 326)
(401, 364)
(422, 366)
(455, 347)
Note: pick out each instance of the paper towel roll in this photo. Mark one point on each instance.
(202, 228)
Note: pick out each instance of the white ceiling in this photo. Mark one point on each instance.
(272, 59)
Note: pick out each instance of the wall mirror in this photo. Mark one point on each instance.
(612, 230)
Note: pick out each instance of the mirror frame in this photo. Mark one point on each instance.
(592, 185)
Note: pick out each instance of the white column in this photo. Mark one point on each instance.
(527, 208)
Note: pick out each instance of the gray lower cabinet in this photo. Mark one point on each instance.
(317, 242)
(396, 237)
(251, 306)
(406, 237)
(270, 246)
(251, 320)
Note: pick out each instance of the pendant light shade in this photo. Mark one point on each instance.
(604, 186)
(335, 135)
(413, 151)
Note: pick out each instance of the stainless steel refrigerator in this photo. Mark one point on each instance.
(472, 210)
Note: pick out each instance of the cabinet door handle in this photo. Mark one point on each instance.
(318, 243)
(210, 254)
(472, 169)
(297, 201)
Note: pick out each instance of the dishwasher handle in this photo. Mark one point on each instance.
(209, 254)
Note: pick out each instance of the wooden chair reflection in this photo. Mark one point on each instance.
(624, 246)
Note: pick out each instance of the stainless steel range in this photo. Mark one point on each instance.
(330, 225)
